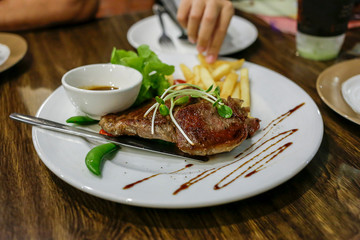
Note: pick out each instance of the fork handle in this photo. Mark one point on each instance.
(159, 10)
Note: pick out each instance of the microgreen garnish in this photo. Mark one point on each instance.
(224, 111)
(159, 100)
(216, 102)
(182, 96)
(164, 110)
(182, 100)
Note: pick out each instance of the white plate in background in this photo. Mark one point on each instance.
(351, 92)
(241, 34)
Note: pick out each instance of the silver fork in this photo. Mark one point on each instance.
(164, 40)
(170, 8)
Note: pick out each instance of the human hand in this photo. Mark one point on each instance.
(206, 22)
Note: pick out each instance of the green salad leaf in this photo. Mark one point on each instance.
(150, 66)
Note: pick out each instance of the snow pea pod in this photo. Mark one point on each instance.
(96, 155)
(81, 120)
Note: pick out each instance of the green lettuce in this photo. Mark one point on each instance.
(149, 65)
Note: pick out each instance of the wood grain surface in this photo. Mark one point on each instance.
(321, 202)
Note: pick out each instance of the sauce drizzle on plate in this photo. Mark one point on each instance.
(144, 179)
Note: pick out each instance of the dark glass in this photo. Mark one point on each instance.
(324, 17)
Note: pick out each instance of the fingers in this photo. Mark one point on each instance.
(219, 33)
(207, 27)
(194, 20)
(183, 12)
(206, 22)
(189, 16)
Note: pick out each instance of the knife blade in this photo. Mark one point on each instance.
(156, 146)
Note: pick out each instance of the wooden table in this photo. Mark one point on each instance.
(321, 202)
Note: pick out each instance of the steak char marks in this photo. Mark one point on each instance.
(209, 132)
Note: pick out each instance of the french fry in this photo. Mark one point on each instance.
(236, 65)
(203, 62)
(206, 77)
(237, 91)
(229, 84)
(197, 80)
(188, 74)
(221, 71)
(245, 86)
(218, 63)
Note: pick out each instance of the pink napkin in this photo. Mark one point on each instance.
(282, 24)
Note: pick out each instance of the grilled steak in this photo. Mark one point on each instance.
(209, 132)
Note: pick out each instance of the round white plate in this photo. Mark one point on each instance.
(272, 96)
(241, 34)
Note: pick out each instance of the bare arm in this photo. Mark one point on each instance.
(18, 15)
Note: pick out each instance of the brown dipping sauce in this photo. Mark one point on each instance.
(99, 88)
